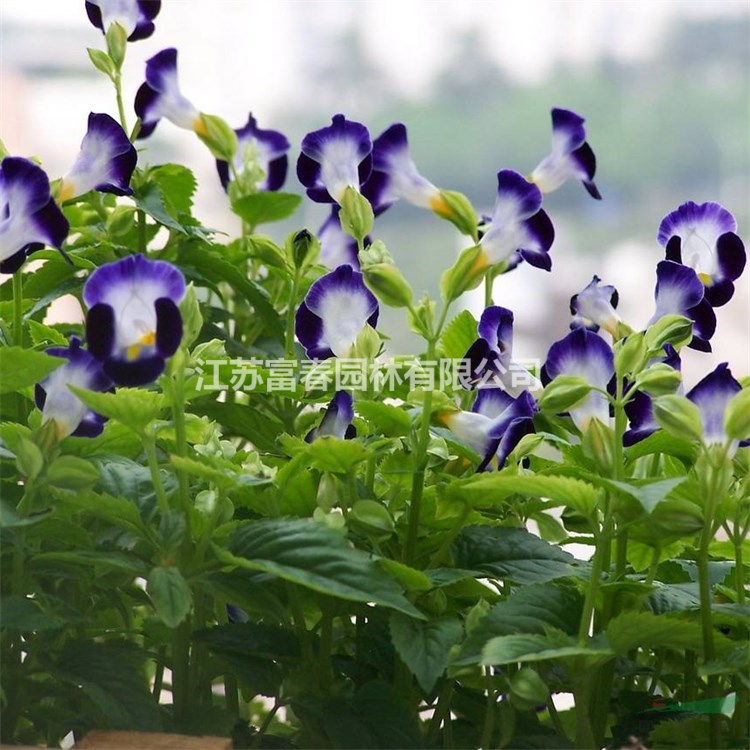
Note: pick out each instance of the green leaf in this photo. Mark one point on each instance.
(386, 419)
(111, 676)
(647, 493)
(102, 61)
(531, 609)
(72, 473)
(170, 594)
(177, 185)
(116, 510)
(210, 264)
(646, 630)
(316, 557)
(487, 490)
(133, 407)
(262, 208)
(512, 554)
(506, 649)
(375, 717)
(424, 646)
(10, 519)
(251, 638)
(26, 615)
(332, 454)
(260, 428)
(129, 479)
(20, 368)
(41, 334)
(458, 335)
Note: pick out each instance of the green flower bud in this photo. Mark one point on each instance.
(422, 317)
(302, 242)
(117, 42)
(457, 209)
(630, 354)
(737, 416)
(356, 214)
(367, 345)
(466, 273)
(192, 319)
(218, 136)
(658, 380)
(72, 473)
(598, 445)
(678, 416)
(121, 221)
(388, 284)
(376, 253)
(102, 62)
(669, 329)
(29, 459)
(372, 518)
(564, 392)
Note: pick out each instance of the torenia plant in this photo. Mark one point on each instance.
(226, 509)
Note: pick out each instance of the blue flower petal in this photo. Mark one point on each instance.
(595, 306)
(135, 16)
(336, 247)
(711, 395)
(337, 420)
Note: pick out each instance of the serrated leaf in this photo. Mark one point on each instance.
(424, 646)
(389, 420)
(177, 185)
(20, 613)
(646, 630)
(265, 207)
(129, 479)
(41, 334)
(487, 490)
(72, 473)
(332, 454)
(251, 638)
(507, 649)
(316, 557)
(458, 335)
(170, 595)
(133, 407)
(260, 428)
(512, 554)
(20, 368)
(529, 610)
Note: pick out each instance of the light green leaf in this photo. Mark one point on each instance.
(332, 454)
(170, 595)
(72, 473)
(424, 646)
(458, 335)
(41, 334)
(316, 557)
(262, 208)
(506, 649)
(389, 420)
(20, 368)
(133, 407)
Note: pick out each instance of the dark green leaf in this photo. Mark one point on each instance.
(506, 649)
(252, 639)
(20, 613)
(425, 646)
(170, 594)
(317, 557)
(513, 554)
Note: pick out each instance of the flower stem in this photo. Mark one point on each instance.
(489, 712)
(117, 80)
(149, 445)
(18, 338)
(290, 316)
(489, 282)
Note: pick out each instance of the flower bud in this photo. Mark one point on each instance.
(669, 329)
(376, 253)
(302, 242)
(598, 441)
(367, 346)
(218, 136)
(422, 316)
(192, 319)
(563, 392)
(630, 354)
(678, 416)
(737, 416)
(117, 42)
(658, 380)
(466, 273)
(456, 208)
(356, 214)
(388, 284)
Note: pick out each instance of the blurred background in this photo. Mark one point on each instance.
(664, 85)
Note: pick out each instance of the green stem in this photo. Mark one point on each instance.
(178, 415)
(117, 80)
(489, 712)
(141, 215)
(18, 338)
(489, 282)
(290, 316)
(442, 711)
(149, 445)
(300, 626)
(266, 723)
(181, 693)
(326, 644)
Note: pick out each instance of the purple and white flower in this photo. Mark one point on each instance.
(133, 324)
(337, 420)
(640, 408)
(262, 149)
(105, 162)
(571, 155)
(395, 175)
(594, 307)
(29, 216)
(494, 426)
(59, 404)
(703, 237)
(135, 16)
(160, 96)
(335, 158)
(490, 357)
(334, 312)
(679, 291)
(336, 246)
(519, 228)
(711, 395)
(586, 355)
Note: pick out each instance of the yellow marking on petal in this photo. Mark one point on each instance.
(440, 207)
(134, 350)
(445, 417)
(199, 126)
(706, 279)
(482, 262)
(67, 191)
